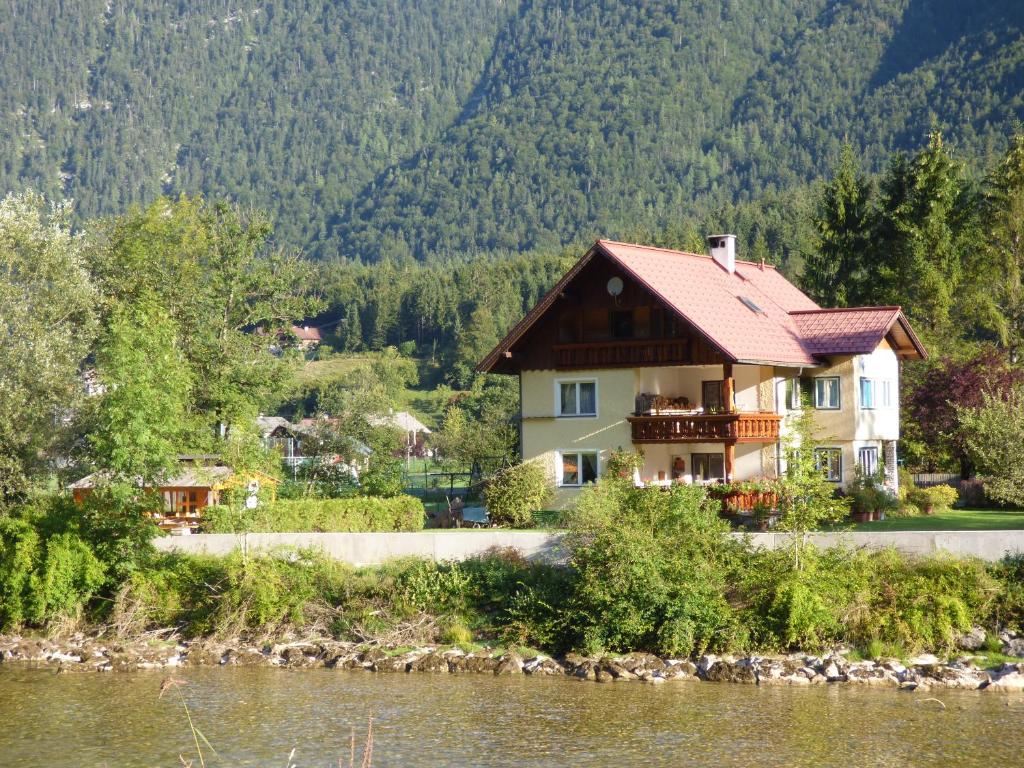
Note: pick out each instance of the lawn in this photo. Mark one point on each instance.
(951, 520)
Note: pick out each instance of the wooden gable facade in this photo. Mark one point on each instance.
(581, 324)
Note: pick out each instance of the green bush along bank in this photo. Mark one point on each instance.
(648, 570)
(358, 513)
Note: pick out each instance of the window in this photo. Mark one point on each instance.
(826, 392)
(885, 395)
(868, 460)
(622, 323)
(830, 461)
(578, 467)
(751, 305)
(711, 396)
(876, 393)
(708, 466)
(867, 393)
(577, 398)
(793, 392)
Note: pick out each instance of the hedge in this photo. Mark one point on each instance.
(358, 514)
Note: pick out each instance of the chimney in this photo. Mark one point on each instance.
(723, 251)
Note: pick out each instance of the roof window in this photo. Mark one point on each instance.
(751, 305)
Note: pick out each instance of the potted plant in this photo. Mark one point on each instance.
(763, 516)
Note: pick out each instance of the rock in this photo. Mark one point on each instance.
(832, 673)
(246, 657)
(682, 670)
(204, 656)
(640, 662)
(655, 678)
(704, 663)
(509, 664)
(431, 662)
(1014, 647)
(894, 666)
(924, 660)
(392, 664)
(542, 665)
(728, 672)
(586, 669)
(480, 664)
(1009, 681)
(371, 657)
(973, 640)
(619, 672)
(602, 675)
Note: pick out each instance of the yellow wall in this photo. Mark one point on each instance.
(852, 427)
(545, 434)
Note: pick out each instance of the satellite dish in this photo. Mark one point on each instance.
(615, 286)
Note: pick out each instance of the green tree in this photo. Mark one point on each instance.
(1000, 278)
(915, 259)
(806, 497)
(994, 434)
(47, 323)
(212, 270)
(143, 417)
(833, 273)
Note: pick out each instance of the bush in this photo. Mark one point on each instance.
(651, 571)
(934, 499)
(515, 493)
(360, 514)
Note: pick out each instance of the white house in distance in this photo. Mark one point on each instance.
(696, 359)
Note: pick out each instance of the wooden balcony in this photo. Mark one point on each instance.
(706, 428)
(612, 354)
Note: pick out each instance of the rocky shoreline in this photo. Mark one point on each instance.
(83, 653)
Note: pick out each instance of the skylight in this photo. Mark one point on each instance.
(751, 305)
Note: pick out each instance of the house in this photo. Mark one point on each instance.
(279, 434)
(696, 359)
(308, 336)
(413, 430)
(200, 481)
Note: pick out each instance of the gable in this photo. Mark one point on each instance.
(580, 324)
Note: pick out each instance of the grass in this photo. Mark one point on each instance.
(950, 520)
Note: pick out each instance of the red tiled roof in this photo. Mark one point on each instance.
(753, 315)
(852, 330)
(711, 299)
(307, 333)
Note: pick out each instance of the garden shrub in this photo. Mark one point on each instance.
(359, 514)
(651, 570)
(513, 494)
(935, 499)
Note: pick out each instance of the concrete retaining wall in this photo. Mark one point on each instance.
(375, 548)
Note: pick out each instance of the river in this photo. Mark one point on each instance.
(255, 717)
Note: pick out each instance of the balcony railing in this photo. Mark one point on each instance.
(706, 428)
(608, 354)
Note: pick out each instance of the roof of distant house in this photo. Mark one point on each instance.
(752, 315)
(307, 333)
(190, 477)
(270, 424)
(402, 420)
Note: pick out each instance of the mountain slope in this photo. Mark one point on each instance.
(605, 118)
(442, 127)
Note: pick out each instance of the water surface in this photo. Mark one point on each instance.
(254, 717)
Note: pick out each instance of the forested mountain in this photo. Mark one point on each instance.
(374, 128)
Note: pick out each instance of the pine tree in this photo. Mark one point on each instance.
(833, 273)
